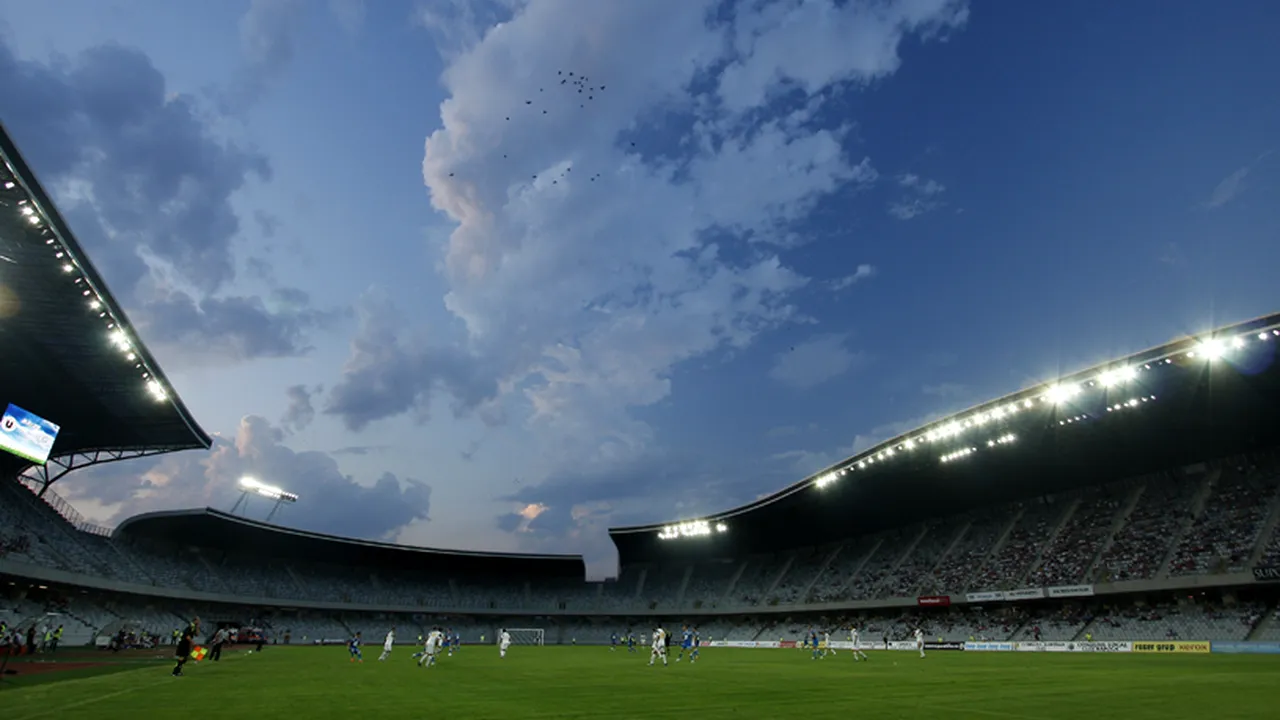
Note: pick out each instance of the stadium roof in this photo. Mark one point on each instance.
(69, 353)
(1195, 399)
(210, 529)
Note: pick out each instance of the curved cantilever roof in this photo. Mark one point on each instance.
(222, 532)
(68, 353)
(1190, 400)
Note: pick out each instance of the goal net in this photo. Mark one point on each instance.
(527, 636)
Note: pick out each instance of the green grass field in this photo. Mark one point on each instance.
(592, 682)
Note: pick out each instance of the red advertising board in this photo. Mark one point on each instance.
(934, 600)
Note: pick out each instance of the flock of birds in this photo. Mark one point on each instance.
(581, 90)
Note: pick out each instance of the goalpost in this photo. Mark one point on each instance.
(527, 636)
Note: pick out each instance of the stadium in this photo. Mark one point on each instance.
(1116, 515)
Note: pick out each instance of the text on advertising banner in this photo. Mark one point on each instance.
(934, 600)
(1171, 647)
(1071, 591)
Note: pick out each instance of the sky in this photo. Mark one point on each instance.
(501, 274)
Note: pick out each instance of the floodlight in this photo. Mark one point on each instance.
(1262, 336)
(1212, 349)
(95, 304)
(1237, 343)
(26, 210)
(67, 267)
(721, 527)
(1058, 394)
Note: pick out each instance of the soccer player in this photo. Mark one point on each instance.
(659, 649)
(353, 649)
(920, 641)
(813, 644)
(613, 642)
(826, 643)
(857, 651)
(386, 645)
(504, 642)
(686, 642)
(697, 642)
(185, 642)
(428, 656)
(631, 642)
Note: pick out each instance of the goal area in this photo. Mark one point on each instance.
(527, 636)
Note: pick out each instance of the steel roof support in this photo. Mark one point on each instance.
(57, 466)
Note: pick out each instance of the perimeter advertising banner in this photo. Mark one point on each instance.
(944, 646)
(1266, 573)
(1024, 594)
(934, 600)
(984, 596)
(1071, 591)
(1171, 647)
(1246, 647)
(989, 646)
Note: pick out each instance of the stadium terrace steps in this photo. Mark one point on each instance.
(996, 549)
(1267, 532)
(1201, 498)
(1121, 519)
(822, 570)
(1072, 507)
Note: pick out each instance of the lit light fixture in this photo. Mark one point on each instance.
(1058, 394)
(67, 267)
(1211, 349)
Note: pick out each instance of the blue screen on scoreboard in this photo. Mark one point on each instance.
(27, 435)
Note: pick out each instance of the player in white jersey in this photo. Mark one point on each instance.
(504, 642)
(920, 641)
(857, 651)
(434, 639)
(386, 644)
(826, 644)
(659, 649)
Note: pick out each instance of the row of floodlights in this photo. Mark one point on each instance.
(1055, 394)
(115, 334)
(692, 528)
(261, 489)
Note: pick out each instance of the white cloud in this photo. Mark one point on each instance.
(580, 264)
(812, 363)
(862, 272)
(1227, 190)
(921, 197)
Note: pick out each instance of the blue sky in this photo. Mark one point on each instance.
(782, 231)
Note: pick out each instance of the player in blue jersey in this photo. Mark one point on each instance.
(353, 648)
(631, 642)
(686, 642)
(813, 644)
(697, 642)
(613, 642)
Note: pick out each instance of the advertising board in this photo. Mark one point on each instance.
(1024, 594)
(1245, 647)
(1172, 646)
(1071, 591)
(933, 600)
(984, 596)
(989, 646)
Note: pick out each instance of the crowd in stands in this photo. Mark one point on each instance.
(1067, 558)
(1216, 520)
(1223, 539)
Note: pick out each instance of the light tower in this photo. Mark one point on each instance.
(251, 486)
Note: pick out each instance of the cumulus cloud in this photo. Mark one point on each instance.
(863, 272)
(343, 505)
(390, 371)
(921, 196)
(814, 362)
(604, 238)
(300, 411)
(147, 185)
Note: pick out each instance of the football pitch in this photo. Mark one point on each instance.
(593, 682)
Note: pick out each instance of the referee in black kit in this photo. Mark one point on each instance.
(185, 642)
